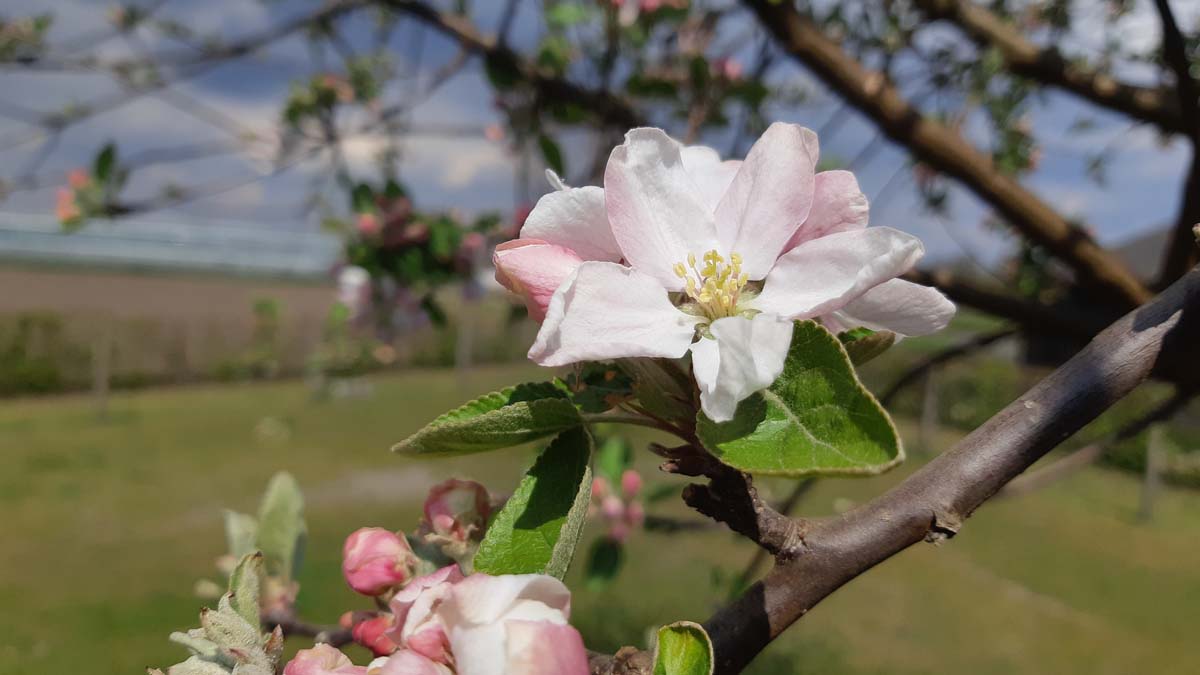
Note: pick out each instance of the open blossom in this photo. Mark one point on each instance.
(322, 659)
(418, 624)
(375, 560)
(682, 252)
(512, 624)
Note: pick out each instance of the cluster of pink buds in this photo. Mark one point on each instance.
(621, 511)
(67, 207)
(443, 622)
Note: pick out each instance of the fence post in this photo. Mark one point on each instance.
(928, 427)
(102, 348)
(1152, 479)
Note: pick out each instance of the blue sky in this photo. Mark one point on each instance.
(471, 173)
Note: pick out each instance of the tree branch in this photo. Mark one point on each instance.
(1046, 65)
(944, 149)
(925, 365)
(932, 504)
(1028, 313)
(604, 105)
(1182, 251)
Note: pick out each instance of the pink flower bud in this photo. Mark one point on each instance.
(612, 507)
(599, 487)
(66, 208)
(494, 133)
(322, 660)
(635, 514)
(373, 634)
(375, 560)
(457, 509)
(368, 224)
(618, 532)
(631, 483)
(79, 179)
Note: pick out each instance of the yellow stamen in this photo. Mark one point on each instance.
(715, 288)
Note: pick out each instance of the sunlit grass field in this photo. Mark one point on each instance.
(106, 524)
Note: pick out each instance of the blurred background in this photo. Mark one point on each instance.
(238, 236)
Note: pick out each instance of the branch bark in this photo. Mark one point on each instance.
(944, 149)
(932, 504)
(1046, 65)
(1089, 454)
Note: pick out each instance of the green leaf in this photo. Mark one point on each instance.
(612, 458)
(241, 533)
(683, 648)
(362, 199)
(538, 529)
(281, 528)
(817, 418)
(106, 160)
(244, 587)
(565, 14)
(500, 419)
(604, 562)
(863, 344)
(551, 153)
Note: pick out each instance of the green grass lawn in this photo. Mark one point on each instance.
(106, 525)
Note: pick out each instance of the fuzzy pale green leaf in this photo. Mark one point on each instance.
(241, 533)
(281, 528)
(497, 420)
(538, 530)
(683, 648)
(244, 587)
(196, 666)
(817, 418)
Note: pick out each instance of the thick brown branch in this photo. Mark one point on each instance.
(1089, 454)
(933, 503)
(1046, 65)
(944, 149)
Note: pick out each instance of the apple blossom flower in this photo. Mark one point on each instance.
(512, 624)
(681, 252)
(322, 659)
(418, 625)
(374, 560)
(406, 662)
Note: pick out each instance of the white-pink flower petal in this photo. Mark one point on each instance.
(533, 269)
(574, 218)
(544, 648)
(838, 205)
(901, 307)
(769, 198)
(607, 311)
(823, 275)
(711, 175)
(745, 356)
(654, 206)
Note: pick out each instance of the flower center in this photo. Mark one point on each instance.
(714, 290)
